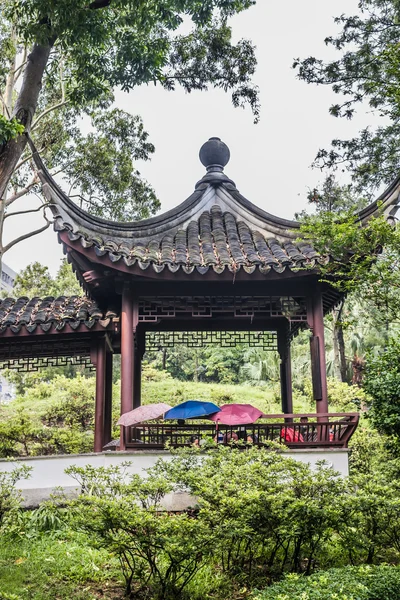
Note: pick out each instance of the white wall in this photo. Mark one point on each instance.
(48, 471)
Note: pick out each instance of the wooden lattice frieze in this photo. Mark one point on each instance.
(33, 355)
(25, 365)
(154, 309)
(157, 340)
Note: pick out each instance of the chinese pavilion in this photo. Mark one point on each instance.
(215, 269)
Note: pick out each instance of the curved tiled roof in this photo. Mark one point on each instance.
(51, 313)
(215, 240)
(215, 228)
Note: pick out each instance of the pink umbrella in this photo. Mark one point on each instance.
(237, 414)
(143, 413)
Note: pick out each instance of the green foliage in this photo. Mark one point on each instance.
(9, 496)
(55, 417)
(366, 72)
(100, 167)
(173, 392)
(348, 583)
(157, 550)
(345, 397)
(362, 258)
(268, 513)
(368, 452)
(109, 44)
(56, 567)
(332, 197)
(9, 129)
(35, 280)
(382, 383)
(4, 596)
(258, 515)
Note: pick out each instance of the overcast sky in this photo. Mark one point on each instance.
(270, 162)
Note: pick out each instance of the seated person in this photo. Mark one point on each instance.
(218, 438)
(195, 440)
(289, 434)
(230, 437)
(304, 429)
(242, 434)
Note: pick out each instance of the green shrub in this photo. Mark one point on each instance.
(348, 583)
(266, 512)
(158, 551)
(382, 382)
(368, 452)
(10, 497)
(344, 397)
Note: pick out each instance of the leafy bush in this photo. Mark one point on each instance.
(267, 513)
(10, 497)
(150, 373)
(348, 583)
(368, 452)
(157, 551)
(345, 397)
(382, 382)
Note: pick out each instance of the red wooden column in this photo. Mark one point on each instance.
(285, 371)
(315, 317)
(100, 362)
(129, 319)
(108, 398)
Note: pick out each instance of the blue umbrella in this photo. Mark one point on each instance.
(192, 409)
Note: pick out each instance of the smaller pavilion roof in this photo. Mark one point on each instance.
(51, 314)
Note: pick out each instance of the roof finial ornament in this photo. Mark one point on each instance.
(214, 155)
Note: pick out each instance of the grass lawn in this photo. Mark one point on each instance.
(58, 567)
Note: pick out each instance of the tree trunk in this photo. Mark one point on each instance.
(342, 353)
(8, 93)
(336, 353)
(25, 108)
(338, 344)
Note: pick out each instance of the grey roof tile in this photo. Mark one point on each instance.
(49, 313)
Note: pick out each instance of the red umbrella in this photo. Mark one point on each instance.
(143, 413)
(237, 414)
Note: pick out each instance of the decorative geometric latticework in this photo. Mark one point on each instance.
(25, 365)
(153, 309)
(34, 354)
(156, 340)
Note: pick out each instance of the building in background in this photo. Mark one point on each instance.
(7, 278)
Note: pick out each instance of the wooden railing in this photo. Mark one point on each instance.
(325, 430)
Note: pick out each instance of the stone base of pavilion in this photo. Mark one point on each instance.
(48, 472)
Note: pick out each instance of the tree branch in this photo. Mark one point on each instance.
(24, 212)
(25, 236)
(23, 191)
(23, 161)
(47, 111)
(20, 69)
(5, 105)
